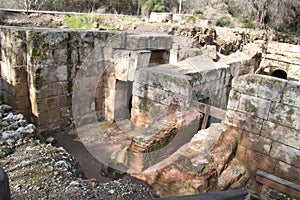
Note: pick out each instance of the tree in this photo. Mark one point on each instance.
(153, 6)
(274, 13)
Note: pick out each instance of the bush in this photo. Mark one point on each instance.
(199, 11)
(224, 22)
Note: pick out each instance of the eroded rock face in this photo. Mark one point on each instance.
(205, 164)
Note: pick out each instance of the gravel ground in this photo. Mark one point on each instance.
(39, 170)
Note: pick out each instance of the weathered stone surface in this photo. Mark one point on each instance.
(231, 175)
(291, 94)
(256, 142)
(254, 106)
(265, 87)
(285, 115)
(254, 160)
(244, 121)
(286, 154)
(285, 135)
(288, 172)
(148, 42)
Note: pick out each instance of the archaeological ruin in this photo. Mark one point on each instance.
(190, 120)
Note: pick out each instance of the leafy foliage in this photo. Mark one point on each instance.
(224, 22)
(153, 6)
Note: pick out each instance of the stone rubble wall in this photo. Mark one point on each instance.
(44, 72)
(266, 110)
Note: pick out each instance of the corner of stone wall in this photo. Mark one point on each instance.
(266, 110)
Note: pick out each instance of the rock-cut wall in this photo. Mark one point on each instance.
(266, 111)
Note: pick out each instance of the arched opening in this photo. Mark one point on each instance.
(279, 74)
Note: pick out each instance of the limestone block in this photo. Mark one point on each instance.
(138, 59)
(99, 38)
(253, 159)
(211, 51)
(148, 42)
(139, 90)
(288, 172)
(116, 40)
(122, 64)
(286, 154)
(254, 106)
(285, 115)
(265, 87)
(169, 81)
(294, 72)
(233, 100)
(282, 134)
(256, 142)
(48, 104)
(244, 121)
(291, 94)
(50, 116)
(142, 76)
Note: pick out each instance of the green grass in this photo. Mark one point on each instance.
(86, 21)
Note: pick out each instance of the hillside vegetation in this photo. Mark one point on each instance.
(282, 15)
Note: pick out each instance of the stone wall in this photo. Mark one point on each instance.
(166, 88)
(14, 70)
(57, 76)
(266, 110)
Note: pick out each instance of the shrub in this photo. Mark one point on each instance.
(224, 22)
(199, 11)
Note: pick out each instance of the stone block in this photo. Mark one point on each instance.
(48, 117)
(256, 142)
(61, 73)
(286, 154)
(139, 89)
(254, 160)
(254, 106)
(59, 56)
(116, 40)
(285, 115)
(265, 87)
(21, 90)
(287, 172)
(211, 51)
(281, 134)
(243, 121)
(48, 104)
(291, 94)
(148, 42)
(122, 64)
(138, 59)
(233, 100)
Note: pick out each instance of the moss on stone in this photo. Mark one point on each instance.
(143, 105)
(249, 107)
